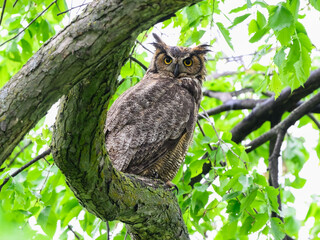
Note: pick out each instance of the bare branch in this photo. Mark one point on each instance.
(3, 8)
(287, 101)
(75, 234)
(42, 155)
(233, 104)
(295, 115)
(140, 63)
(28, 24)
(84, 4)
(21, 150)
(144, 47)
(314, 120)
(15, 3)
(108, 230)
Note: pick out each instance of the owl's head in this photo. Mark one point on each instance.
(178, 62)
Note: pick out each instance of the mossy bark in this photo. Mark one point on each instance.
(79, 52)
(83, 62)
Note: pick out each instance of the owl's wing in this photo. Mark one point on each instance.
(146, 122)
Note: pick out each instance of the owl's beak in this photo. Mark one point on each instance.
(176, 70)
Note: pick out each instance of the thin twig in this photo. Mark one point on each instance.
(29, 24)
(144, 47)
(203, 134)
(15, 3)
(45, 153)
(21, 150)
(3, 8)
(314, 120)
(108, 230)
(75, 234)
(46, 179)
(84, 4)
(220, 140)
(140, 63)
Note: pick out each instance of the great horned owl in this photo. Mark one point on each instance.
(150, 126)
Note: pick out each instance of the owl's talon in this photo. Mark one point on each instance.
(172, 186)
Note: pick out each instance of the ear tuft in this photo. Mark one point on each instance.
(202, 49)
(159, 43)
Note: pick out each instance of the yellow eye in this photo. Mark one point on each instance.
(167, 60)
(187, 62)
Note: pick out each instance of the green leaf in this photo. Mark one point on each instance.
(275, 84)
(47, 220)
(260, 180)
(233, 206)
(284, 36)
(246, 182)
(272, 194)
(292, 225)
(225, 34)
(193, 13)
(315, 4)
(279, 58)
(258, 35)
(230, 196)
(253, 26)
(277, 229)
(246, 202)
(247, 225)
(261, 20)
(260, 221)
(239, 19)
(239, 9)
(195, 37)
(280, 18)
(298, 183)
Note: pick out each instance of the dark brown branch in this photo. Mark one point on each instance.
(234, 104)
(2, 12)
(314, 120)
(295, 115)
(140, 63)
(225, 95)
(74, 233)
(81, 5)
(18, 153)
(33, 20)
(37, 158)
(108, 230)
(15, 3)
(287, 101)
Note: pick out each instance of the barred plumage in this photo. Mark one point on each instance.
(150, 126)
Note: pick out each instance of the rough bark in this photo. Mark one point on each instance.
(78, 52)
(83, 63)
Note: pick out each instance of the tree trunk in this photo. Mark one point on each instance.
(83, 61)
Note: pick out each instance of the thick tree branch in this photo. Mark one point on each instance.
(149, 210)
(295, 115)
(78, 52)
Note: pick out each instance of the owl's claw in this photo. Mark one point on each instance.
(172, 186)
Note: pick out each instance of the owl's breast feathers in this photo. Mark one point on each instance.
(150, 126)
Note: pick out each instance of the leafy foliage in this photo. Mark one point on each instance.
(234, 199)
